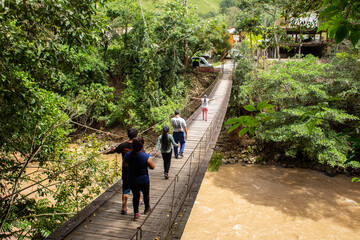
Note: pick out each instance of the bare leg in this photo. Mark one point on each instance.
(140, 199)
(206, 113)
(125, 197)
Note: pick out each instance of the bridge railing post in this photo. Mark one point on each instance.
(138, 231)
(76, 189)
(208, 136)
(189, 176)
(199, 159)
(173, 200)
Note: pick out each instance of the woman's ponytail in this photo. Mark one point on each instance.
(164, 138)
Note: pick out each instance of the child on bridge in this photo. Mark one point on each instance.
(204, 105)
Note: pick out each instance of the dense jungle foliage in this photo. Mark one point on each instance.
(58, 60)
(114, 63)
(306, 109)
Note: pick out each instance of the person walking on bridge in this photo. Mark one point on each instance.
(124, 148)
(179, 134)
(204, 105)
(138, 163)
(165, 140)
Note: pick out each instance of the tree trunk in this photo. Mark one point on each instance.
(300, 44)
(276, 39)
(277, 44)
(251, 46)
(186, 57)
(264, 58)
(186, 54)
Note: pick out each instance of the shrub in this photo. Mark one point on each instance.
(215, 162)
(309, 118)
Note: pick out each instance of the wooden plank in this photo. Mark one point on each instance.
(73, 222)
(105, 220)
(89, 236)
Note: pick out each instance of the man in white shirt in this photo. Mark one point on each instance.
(180, 133)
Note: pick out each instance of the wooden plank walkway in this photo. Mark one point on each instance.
(166, 196)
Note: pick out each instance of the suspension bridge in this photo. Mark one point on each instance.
(102, 218)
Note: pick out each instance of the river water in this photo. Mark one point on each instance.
(263, 202)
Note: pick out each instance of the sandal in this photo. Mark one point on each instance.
(136, 216)
(124, 212)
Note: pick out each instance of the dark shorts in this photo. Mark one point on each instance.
(125, 183)
(179, 137)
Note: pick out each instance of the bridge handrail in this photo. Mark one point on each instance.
(72, 223)
(52, 176)
(206, 138)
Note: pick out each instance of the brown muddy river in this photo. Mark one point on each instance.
(262, 202)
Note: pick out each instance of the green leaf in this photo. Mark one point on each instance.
(322, 27)
(342, 4)
(341, 33)
(234, 127)
(349, 160)
(250, 108)
(232, 121)
(330, 11)
(355, 36)
(332, 30)
(311, 126)
(320, 121)
(355, 179)
(243, 131)
(263, 104)
(305, 116)
(252, 130)
(262, 115)
(249, 121)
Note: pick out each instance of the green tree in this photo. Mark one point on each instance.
(43, 63)
(225, 4)
(149, 68)
(250, 25)
(55, 63)
(339, 17)
(308, 121)
(342, 20)
(257, 14)
(229, 16)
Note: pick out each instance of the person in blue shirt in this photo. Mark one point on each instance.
(165, 140)
(124, 148)
(138, 163)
